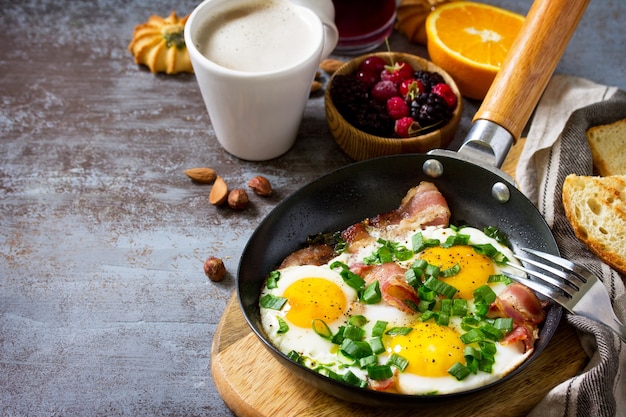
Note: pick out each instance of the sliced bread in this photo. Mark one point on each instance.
(608, 147)
(596, 209)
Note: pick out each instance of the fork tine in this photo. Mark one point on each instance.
(583, 273)
(543, 289)
(562, 285)
(570, 279)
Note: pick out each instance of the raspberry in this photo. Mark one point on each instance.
(397, 72)
(446, 92)
(411, 88)
(397, 107)
(372, 64)
(384, 90)
(404, 127)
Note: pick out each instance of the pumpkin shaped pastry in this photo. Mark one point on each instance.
(159, 44)
(411, 18)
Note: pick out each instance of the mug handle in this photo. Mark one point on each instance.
(325, 10)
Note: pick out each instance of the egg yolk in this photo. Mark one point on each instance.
(314, 298)
(430, 349)
(475, 269)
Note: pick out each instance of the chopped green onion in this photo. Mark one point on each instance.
(329, 373)
(419, 264)
(321, 328)
(272, 280)
(368, 361)
(450, 272)
(338, 337)
(403, 331)
(496, 234)
(388, 252)
(459, 307)
(489, 250)
(488, 348)
(294, 356)
(484, 295)
(425, 305)
(471, 351)
(356, 349)
(474, 335)
(426, 294)
(283, 327)
(379, 328)
(500, 278)
(413, 277)
(459, 371)
(379, 372)
(419, 243)
(443, 319)
(458, 239)
(427, 315)
(371, 294)
(349, 277)
(272, 302)
(491, 332)
(504, 323)
(352, 379)
(353, 333)
(432, 270)
(440, 287)
(357, 320)
(469, 322)
(377, 345)
(398, 361)
(446, 305)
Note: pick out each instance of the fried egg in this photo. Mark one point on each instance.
(311, 293)
(429, 349)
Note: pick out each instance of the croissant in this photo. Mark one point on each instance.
(411, 17)
(159, 44)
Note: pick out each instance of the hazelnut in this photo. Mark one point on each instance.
(214, 269)
(238, 199)
(260, 185)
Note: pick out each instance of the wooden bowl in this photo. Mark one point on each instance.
(360, 145)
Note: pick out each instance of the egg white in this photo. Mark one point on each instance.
(321, 351)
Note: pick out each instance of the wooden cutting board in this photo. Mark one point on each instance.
(253, 384)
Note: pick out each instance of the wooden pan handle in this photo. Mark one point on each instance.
(530, 63)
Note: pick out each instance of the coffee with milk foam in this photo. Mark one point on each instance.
(257, 36)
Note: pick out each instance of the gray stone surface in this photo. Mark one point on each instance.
(104, 308)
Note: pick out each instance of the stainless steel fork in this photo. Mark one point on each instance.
(571, 285)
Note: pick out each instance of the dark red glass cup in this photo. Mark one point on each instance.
(363, 24)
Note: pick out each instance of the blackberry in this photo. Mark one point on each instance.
(429, 79)
(352, 99)
(430, 110)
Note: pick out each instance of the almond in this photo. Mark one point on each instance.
(331, 65)
(238, 199)
(315, 87)
(260, 185)
(219, 192)
(201, 175)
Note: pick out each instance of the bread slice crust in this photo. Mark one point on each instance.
(596, 209)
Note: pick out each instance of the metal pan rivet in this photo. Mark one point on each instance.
(433, 168)
(500, 191)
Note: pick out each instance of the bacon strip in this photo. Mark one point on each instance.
(394, 288)
(356, 237)
(522, 305)
(311, 255)
(422, 206)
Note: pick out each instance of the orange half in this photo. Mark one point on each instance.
(470, 41)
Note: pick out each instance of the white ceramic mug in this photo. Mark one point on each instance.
(255, 100)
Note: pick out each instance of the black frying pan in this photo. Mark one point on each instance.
(478, 194)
